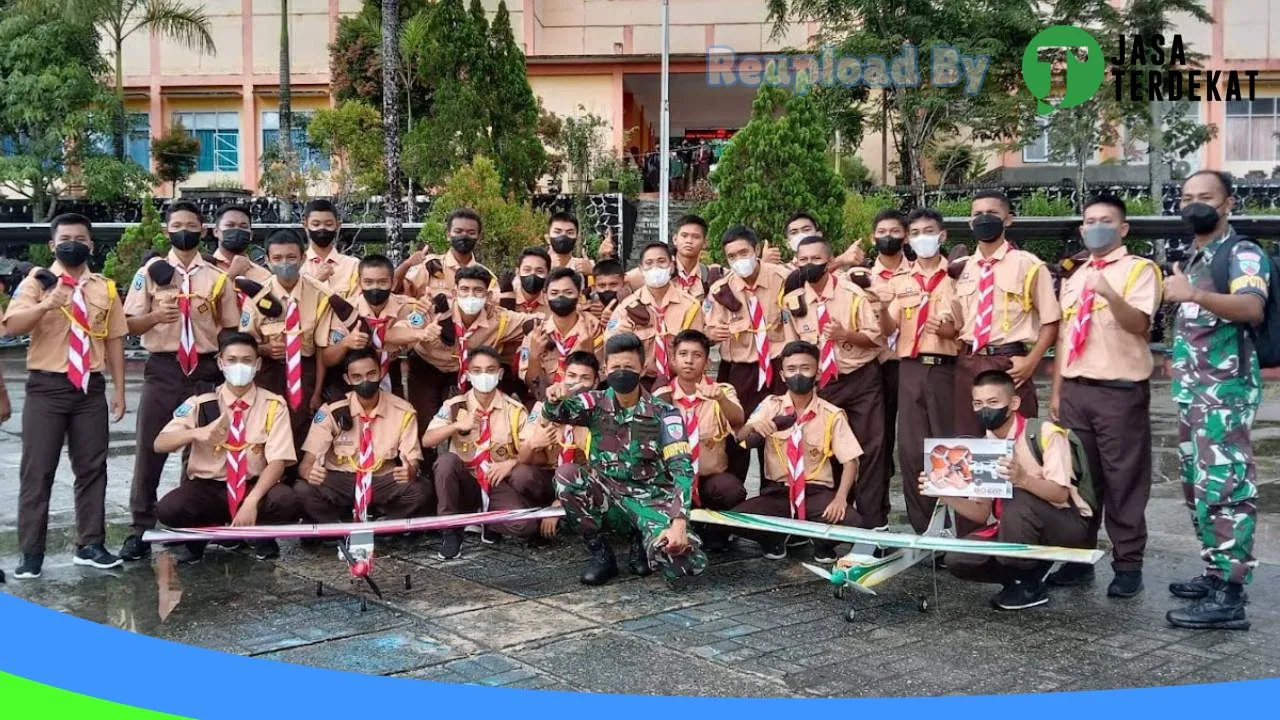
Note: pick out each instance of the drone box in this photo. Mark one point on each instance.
(965, 467)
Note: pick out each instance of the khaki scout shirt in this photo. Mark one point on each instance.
(825, 436)
(741, 345)
(584, 335)
(1056, 468)
(420, 284)
(692, 282)
(345, 279)
(399, 310)
(908, 295)
(494, 326)
(313, 309)
(256, 272)
(213, 304)
(678, 310)
(882, 278)
(713, 427)
(847, 304)
(49, 342)
(395, 435)
(267, 432)
(580, 436)
(1023, 297)
(1110, 353)
(507, 417)
(583, 266)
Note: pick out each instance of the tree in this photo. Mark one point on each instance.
(351, 134)
(513, 122)
(509, 225)
(355, 57)
(1075, 134)
(391, 204)
(175, 153)
(775, 166)
(125, 258)
(286, 94)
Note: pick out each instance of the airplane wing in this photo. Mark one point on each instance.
(840, 533)
(334, 530)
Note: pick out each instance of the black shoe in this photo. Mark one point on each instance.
(1126, 584)
(30, 567)
(135, 549)
(715, 542)
(450, 545)
(602, 566)
(266, 549)
(638, 556)
(824, 552)
(1221, 610)
(1021, 594)
(774, 549)
(96, 556)
(1071, 575)
(229, 545)
(187, 553)
(797, 541)
(1198, 587)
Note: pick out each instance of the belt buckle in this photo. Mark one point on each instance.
(930, 360)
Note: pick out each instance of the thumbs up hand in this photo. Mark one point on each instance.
(1177, 288)
(770, 254)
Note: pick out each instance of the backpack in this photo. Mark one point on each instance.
(1038, 433)
(1266, 336)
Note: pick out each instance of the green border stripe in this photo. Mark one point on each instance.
(24, 699)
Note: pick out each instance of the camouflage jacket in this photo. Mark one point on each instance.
(1213, 359)
(643, 448)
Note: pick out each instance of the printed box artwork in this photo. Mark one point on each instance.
(965, 467)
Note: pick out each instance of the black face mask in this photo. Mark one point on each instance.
(532, 284)
(623, 381)
(991, 418)
(814, 272)
(376, 297)
(606, 297)
(801, 384)
(322, 238)
(71, 253)
(987, 228)
(563, 244)
(1202, 218)
(185, 239)
(563, 306)
(463, 244)
(367, 389)
(888, 245)
(235, 240)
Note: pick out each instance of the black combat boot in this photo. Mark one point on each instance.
(1200, 586)
(602, 566)
(1221, 610)
(638, 556)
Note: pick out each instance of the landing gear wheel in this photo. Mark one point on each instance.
(923, 605)
(408, 582)
(850, 615)
(839, 592)
(319, 589)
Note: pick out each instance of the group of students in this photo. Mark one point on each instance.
(297, 389)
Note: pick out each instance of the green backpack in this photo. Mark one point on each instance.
(1038, 440)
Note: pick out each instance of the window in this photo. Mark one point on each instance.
(138, 143)
(310, 157)
(1037, 151)
(219, 136)
(1251, 129)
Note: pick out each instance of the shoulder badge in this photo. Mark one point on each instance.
(183, 410)
(613, 325)
(785, 316)
(706, 306)
(336, 336)
(1250, 262)
(320, 416)
(417, 319)
(675, 427)
(138, 281)
(244, 319)
(443, 412)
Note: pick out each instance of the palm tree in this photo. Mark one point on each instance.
(286, 93)
(391, 124)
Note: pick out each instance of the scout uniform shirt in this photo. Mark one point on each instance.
(584, 335)
(506, 418)
(399, 310)
(694, 284)
(213, 304)
(1056, 468)
(494, 326)
(579, 438)
(1207, 350)
(713, 428)
(49, 338)
(824, 436)
(847, 304)
(395, 435)
(1022, 299)
(1110, 352)
(907, 306)
(256, 272)
(583, 266)
(884, 278)
(527, 304)
(313, 309)
(267, 432)
(741, 345)
(421, 284)
(345, 279)
(678, 311)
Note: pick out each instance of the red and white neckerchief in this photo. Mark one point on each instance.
(379, 339)
(237, 456)
(795, 464)
(689, 411)
(79, 352)
(293, 352)
(187, 357)
(660, 362)
(566, 445)
(533, 304)
(986, 303)
(755, 311)
(480, 462)
(365, 462)
(1084, 315)
(464, 354)
(997, 507)
(926, 291)
(828, 369)
(564, 346)
(687, 282)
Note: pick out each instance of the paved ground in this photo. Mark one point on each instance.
(513, 616)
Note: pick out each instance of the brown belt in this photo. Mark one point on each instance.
(1006, 349)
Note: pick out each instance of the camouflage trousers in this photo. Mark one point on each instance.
(1218, 482)
(589, 498)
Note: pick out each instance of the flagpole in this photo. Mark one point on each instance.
(664, 181)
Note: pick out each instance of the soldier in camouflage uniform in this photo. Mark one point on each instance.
(1217, 385)
(639, 462)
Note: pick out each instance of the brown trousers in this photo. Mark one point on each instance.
(200, 502)
(889, 374)
(54, 413)
(164, 388)
(427, 388)
(1114, 426)
(745, 377)
(925, 398)
(272, 378)
(859, 394)
(1025, 518)
(333, 500)
(969, 367)
(528, 486)
(774, 500)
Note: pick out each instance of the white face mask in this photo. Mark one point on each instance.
(743, 267)
(471, 304)
(239, 374)
(484, 382)
(926, 246)
(657, 277)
